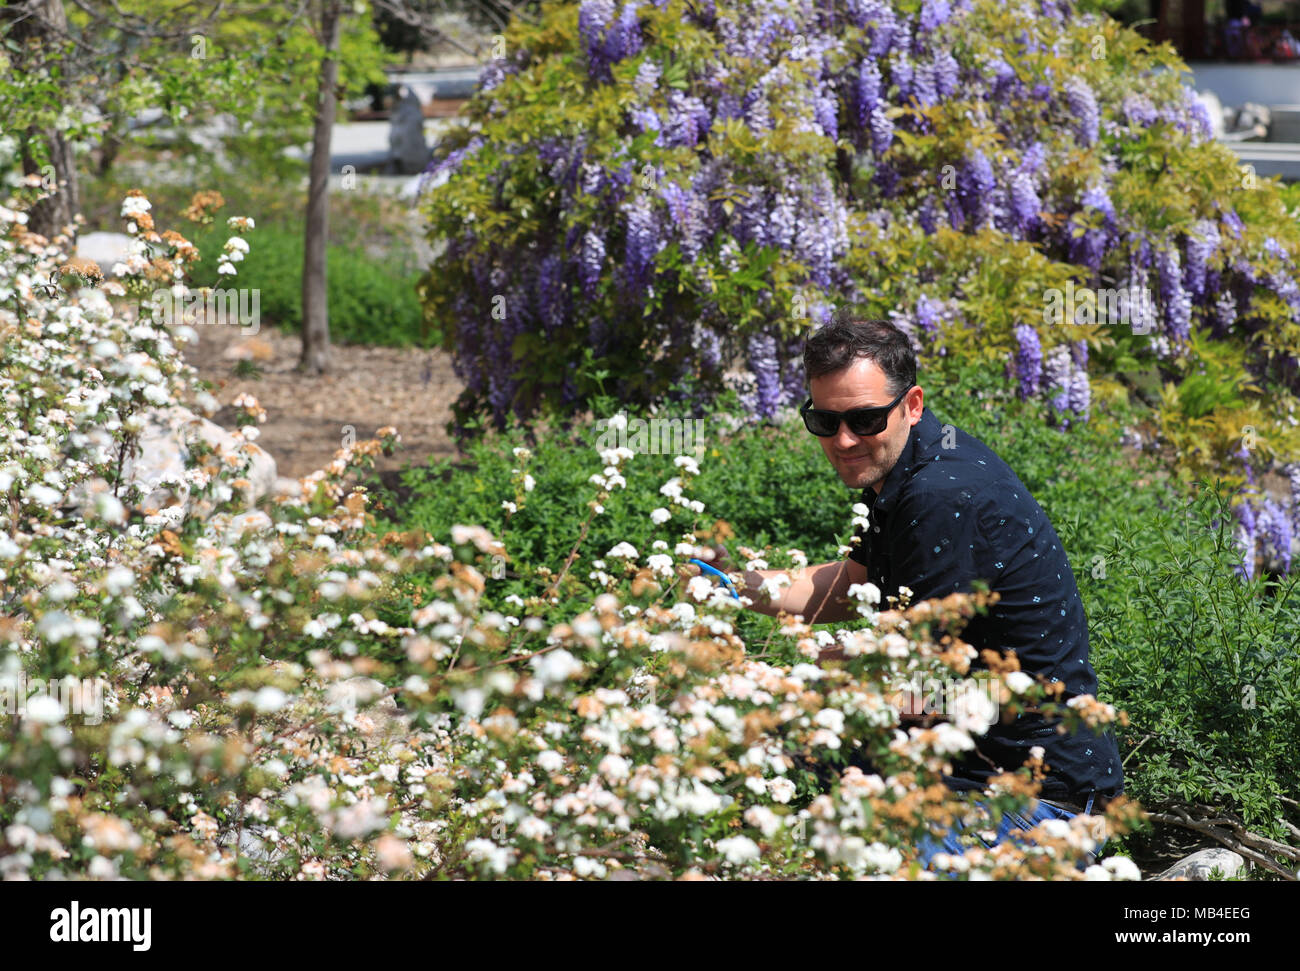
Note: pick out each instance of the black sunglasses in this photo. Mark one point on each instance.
(861, 421)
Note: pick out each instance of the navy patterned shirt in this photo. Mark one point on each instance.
(949, 512)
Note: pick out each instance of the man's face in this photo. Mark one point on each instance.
(865, 461)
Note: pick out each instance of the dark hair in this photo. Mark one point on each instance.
(840, 342)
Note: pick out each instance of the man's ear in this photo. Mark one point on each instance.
(916, 403)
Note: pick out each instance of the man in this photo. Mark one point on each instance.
(944, 511)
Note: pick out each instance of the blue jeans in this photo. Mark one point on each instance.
(1040, 811)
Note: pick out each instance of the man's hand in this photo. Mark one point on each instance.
(715, 555)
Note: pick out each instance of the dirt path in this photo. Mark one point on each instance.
(307, 417)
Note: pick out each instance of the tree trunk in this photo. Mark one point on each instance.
(315, 306)
(44, 25)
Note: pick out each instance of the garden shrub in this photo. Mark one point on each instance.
(289, 694)
(369, 302)
(1179, 643)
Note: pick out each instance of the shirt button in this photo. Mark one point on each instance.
(875, 529)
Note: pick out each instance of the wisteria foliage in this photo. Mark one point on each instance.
(684, 189)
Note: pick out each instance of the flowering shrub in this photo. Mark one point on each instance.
(672, 189)
(288, 694)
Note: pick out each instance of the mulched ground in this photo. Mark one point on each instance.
(366, 388)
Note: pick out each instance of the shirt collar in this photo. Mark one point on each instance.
(924, 433)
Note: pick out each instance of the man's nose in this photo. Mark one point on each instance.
(844, 437)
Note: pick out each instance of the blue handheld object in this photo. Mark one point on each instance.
(717, 573)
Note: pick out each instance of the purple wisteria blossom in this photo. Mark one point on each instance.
(688, 120)
(685, 216)
(867, 91)
(1176, 303)
(928, 314)
(1292, 471)
(927, 217)
(1082, 104)
(550, 293)
(642, 243)
(933, 13)
(947, 73)
(1225, 312)
(763, 363)
(1139, 111)
(1079, 394)
(975, 185)
(709, 344)
(590, 262)
(1001, 79)
(439, 170)
(1202, 243)
(1056, 377)
(1028, 360)
(882, 132)
(1024, 206)
(1277, 533)
(1089, 248)
(793, 382)
(594, 17)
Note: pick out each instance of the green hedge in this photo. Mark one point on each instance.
(369, 301)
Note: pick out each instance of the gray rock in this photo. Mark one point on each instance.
(105, 249)
(406, 135)
(1199, 864)
(164, 447)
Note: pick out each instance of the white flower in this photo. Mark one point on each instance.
(529, 483)
(660, 516)
(1018, 681)
(550, 761)
(269, 698)
(1122, 867)
(118, 580)
(830, 718)
(44, 709)
(865, 592)
(661, 563)
(109, 508)
(43, 494)
(700, 588)
(973, 711)
(555, 667)
(613, 767)
(738, 849)
(672, 488)
(687, 463)
(225, 268)
(762, 818)
(781, 789)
